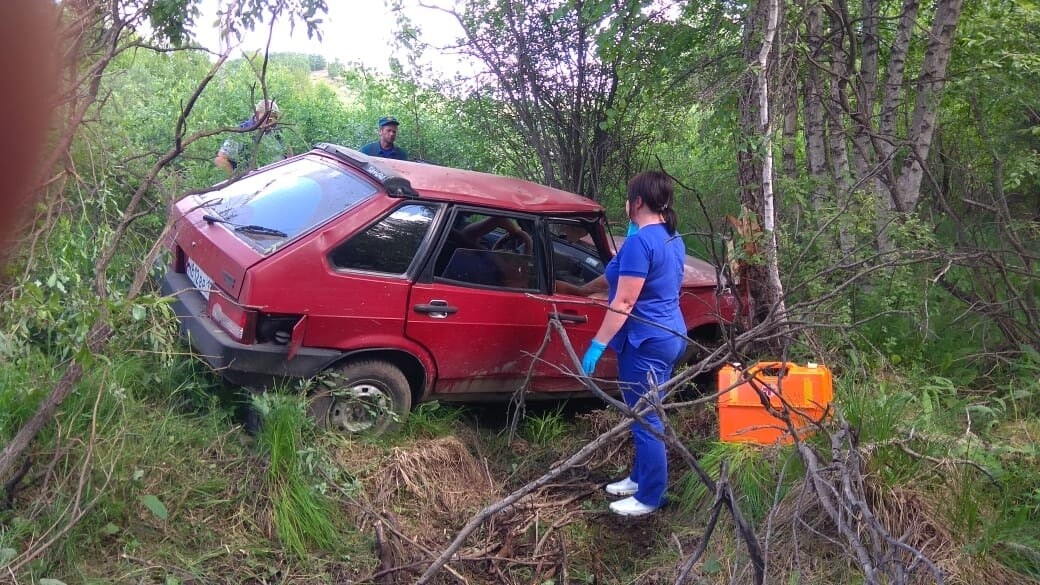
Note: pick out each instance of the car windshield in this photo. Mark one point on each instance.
(271, 207)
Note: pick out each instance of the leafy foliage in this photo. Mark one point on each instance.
(938, 370)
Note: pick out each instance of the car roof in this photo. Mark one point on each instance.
(485, 189)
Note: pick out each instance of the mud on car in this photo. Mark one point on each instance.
(391, 283)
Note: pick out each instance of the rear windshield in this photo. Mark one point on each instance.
(270, 208)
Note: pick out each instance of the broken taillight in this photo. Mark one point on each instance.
(239, 322)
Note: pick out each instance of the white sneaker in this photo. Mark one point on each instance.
(630, 507)
(625, 487)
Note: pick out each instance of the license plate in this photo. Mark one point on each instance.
(200, 279)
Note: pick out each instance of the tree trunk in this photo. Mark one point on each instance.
(885, 140)
(775, 286)
(755, 160)
(929, 88)
(836, 132)
(815, 145)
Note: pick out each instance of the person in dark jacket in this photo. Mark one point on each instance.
(385, 146)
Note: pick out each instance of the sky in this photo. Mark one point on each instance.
(353, 32)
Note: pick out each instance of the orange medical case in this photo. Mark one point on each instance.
(807, 390)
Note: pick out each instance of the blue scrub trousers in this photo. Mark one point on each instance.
(650, 463)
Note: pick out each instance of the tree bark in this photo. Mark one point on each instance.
(815, 145)
(775, 286)
(837, 95)
(926, 107)
(754, 160)
(885, 140)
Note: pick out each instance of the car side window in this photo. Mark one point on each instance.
(489, 250)
(390, 244)
(575, 258)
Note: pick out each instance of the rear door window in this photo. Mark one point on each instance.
(270, 208)
(389, 245)
(574, 255)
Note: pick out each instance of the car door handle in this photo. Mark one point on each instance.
(436, 309)
(569, 317)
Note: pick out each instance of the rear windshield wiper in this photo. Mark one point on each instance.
(251, 229)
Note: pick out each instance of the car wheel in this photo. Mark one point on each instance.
(370, 397)
(705, 383)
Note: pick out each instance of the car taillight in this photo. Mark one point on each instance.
(239, 322)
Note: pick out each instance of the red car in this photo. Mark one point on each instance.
(396, 282)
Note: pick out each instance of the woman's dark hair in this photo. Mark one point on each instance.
(656, 191)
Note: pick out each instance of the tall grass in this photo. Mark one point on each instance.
(432, 419)
(303, 517)
(547, 427)
(752, 474)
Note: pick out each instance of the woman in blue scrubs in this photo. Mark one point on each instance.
(644, 280)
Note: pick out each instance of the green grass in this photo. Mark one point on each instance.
(754, 474)
(432, 419)
(303, 517)
(234, 510)
(547, 427)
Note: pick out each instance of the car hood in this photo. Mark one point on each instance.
(696, 272)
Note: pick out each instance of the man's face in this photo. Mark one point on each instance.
(387, 134)
(266, 123)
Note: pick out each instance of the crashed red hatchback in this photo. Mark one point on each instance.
(393, 283)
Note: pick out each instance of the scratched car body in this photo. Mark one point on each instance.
(389, 283)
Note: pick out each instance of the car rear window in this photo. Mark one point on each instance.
(288, 200)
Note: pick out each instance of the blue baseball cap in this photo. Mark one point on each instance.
(387, 120)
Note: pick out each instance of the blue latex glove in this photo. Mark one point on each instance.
(592, 355)
(632, 228)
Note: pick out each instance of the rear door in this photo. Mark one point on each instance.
(478, 309)
(360, 298)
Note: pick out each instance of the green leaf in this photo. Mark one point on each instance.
(152, 503)
(109, 529)
(138, 313)
(50, 582)
(6, 554)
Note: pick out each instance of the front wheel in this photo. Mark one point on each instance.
(705, 383)
(370, 397)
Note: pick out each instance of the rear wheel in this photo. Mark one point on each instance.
(369, 397)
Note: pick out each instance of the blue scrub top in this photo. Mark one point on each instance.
(658, 257)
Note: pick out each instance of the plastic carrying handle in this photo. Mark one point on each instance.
(775, 369)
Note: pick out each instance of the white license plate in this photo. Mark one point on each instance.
(200, 279)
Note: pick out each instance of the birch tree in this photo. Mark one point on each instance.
(889, 156)
(755, 159)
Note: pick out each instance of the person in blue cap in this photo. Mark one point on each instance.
(385, 147)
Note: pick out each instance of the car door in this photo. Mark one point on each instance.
(477, 310)
(574, 258)
(361, 301)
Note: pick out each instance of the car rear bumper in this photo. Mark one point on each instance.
(240, 363)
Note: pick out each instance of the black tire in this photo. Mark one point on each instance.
(705, 383)
(369, 397)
